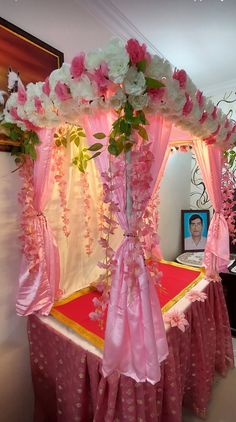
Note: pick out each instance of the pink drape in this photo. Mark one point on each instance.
(135, 340)
(216, 256)
(159, 132)
(38, 290)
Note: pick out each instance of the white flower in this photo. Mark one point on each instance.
(134, 82)
(176, 97)
(191, 89)
(118, 99)
(83, 88)
(209, 107)
(117, 59)
(94, 59)
(60, 75)
(158, 68)
(211, 125)
(138, 102)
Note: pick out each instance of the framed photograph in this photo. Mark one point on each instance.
(195, 225)
(25, 54)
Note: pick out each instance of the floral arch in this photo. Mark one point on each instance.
(124, 101)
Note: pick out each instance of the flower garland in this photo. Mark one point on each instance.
(86, 201)
(228, 193)
(120, 77)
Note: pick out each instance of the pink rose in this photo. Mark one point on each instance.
(136, 52)
(21, 95)
(214, 113)
(181, 76)
(195, 295)
(200, 98)
(38, 105)
(156, 94)
(188, 106)
(176, 319)
(62, 91)
(77, 66)
(46, 87)
(204, 117)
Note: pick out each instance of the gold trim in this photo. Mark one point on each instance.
(74, 295)
(83, 332)
(96, 340)
(183, 292)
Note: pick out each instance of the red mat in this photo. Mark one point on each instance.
(74, 311)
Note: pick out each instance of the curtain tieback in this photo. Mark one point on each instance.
(130, 235)
(41, 214)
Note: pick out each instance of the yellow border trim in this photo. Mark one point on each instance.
(183, 292)
(86, 334)
(31, 42)
(96, 340)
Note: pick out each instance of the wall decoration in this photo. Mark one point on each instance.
(195, 225)
(199, 198)
(30, 58)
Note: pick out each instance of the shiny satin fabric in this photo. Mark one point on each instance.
(216, 255)
(38, 290)
(135, 339)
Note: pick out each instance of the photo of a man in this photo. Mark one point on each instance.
(195, 226)
(196, 240)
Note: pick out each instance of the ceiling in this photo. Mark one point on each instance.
(197, 35)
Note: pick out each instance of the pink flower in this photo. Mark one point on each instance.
(214, 113)
(62, 91)
(46, 87)
(200, 98)
(156, 94)
(188, 106)
(204, 117)
(209, 140)
(100, 76)
(137, 52)
(176, 319)
(213, 277)
(194, 295)
(21, 95)
(183, 148)
(14, 114)
(77, 66)
(38, 105)
(181, 76)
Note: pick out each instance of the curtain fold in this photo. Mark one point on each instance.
(40, 276)
(216, 256)
(135, 340)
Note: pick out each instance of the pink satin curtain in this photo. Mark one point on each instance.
(135, 340)
(38, 290)
(216, 256)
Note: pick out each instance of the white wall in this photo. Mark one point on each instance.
(174, 196)
(67, 26)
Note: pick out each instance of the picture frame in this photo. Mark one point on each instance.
(194, 224)
(27, 55)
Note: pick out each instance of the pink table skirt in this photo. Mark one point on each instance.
(69, 387)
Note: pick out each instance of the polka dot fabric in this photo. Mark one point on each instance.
(69, 386)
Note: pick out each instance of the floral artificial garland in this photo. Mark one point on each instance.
(125, 78)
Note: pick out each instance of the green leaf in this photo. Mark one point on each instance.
(128, 109)
(143, 133)
(95, 155)
(58, 142)
(99, 135)
(127, 146)
(95, 147)
(141, 66)
(112, 148)
(125, 127)
(153, 83)
(82, 134)
(77, 141)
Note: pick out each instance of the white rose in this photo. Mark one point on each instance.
(211, 125)
(138, 102)
(158, 68)
(209, 107)
(175, 96)
(134, 82)
(117, 59)
(83, 88)
(60, 75)
(94, 59)
(118, 99)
